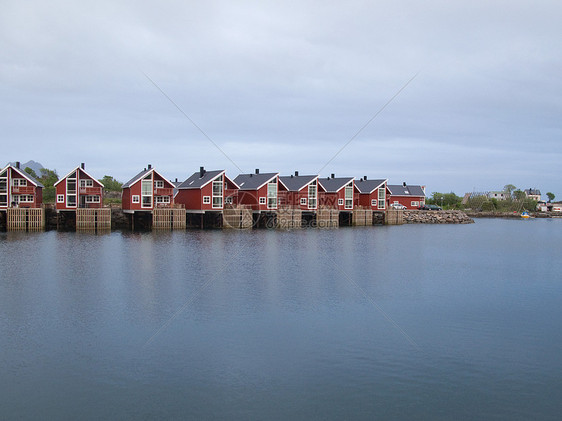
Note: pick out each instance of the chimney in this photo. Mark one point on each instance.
(149, 166)
(176, 179)
(333, 176)
(404, 184)
(365, 177)
(83, 165)
(18, 165)
(257, 170)
(296, 173)
(201, 172)
(291, 175)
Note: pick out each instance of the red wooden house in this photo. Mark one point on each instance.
(147, 190)
(410, 196)
(259, 191)
(338, 192)
(205, 190)
(300, 191)
(372, 194)
(19, 189)
(78, 189)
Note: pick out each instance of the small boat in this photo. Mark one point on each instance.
(525, 215)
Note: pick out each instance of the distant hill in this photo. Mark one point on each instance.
(35, 166)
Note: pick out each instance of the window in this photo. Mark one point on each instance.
(272, 194)
(92, 199)
(162, 199)
(349, 196)
(217, 192)
(21, 182)
(159, 184)
(303, 201)
(23, 198)
(60, 198)
(415, 203)
(262, 201)
(381, 204)
(86, 183)
(312, 189)
(70, 200)
(373, 202)
(206, 200)
(146, 192)
(340, 202)
(228, 200)
(136, 198)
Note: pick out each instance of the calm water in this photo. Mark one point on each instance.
(410, 322)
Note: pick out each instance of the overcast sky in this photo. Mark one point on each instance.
(284, 85)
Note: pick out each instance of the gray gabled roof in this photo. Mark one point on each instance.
(368, 186)
(137, 177)
(253, 181)
(533, 191)
(333, 185)
(195, 181)
(296, 182)
(401, 190)
(24, 175)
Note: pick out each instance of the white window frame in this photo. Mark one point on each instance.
(381, 204)
(92, 199)
(146, 182)
(349, 196)
(217, 197)
(340, 202)
(373, 202)
(312, 195)
(272, 194)
(60, 198)
(135, 198)
(162, 199)
(228, 200)
(206, 200)
(19, 182)
(303, 201)
(263, 200)
(158, 184)
(414, 203)
(86, 183)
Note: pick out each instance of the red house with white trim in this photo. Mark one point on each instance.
(205, 190)
(78, 189)
(410, 196)
(259, 191)
(337, 192)
(19, 189)
(299, 191)
(372, 194)
(147, 190)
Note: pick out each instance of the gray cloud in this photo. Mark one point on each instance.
(283, 85)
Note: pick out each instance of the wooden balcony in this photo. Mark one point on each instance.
(90, 191)
(165, 191)
(23, 190)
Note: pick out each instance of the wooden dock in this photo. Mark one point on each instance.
(362, 217)
(327, 218)
(25, 219)
(93, 219)
(289, 217)
(169, 218)
(237, 217)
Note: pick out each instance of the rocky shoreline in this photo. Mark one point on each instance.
(436, 217)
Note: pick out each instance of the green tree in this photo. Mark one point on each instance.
(111, 184)
(551, 196)
(48, 179)
(31, 172)
(508, 189)
(519, 195)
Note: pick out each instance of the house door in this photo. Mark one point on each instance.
(82, 201)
